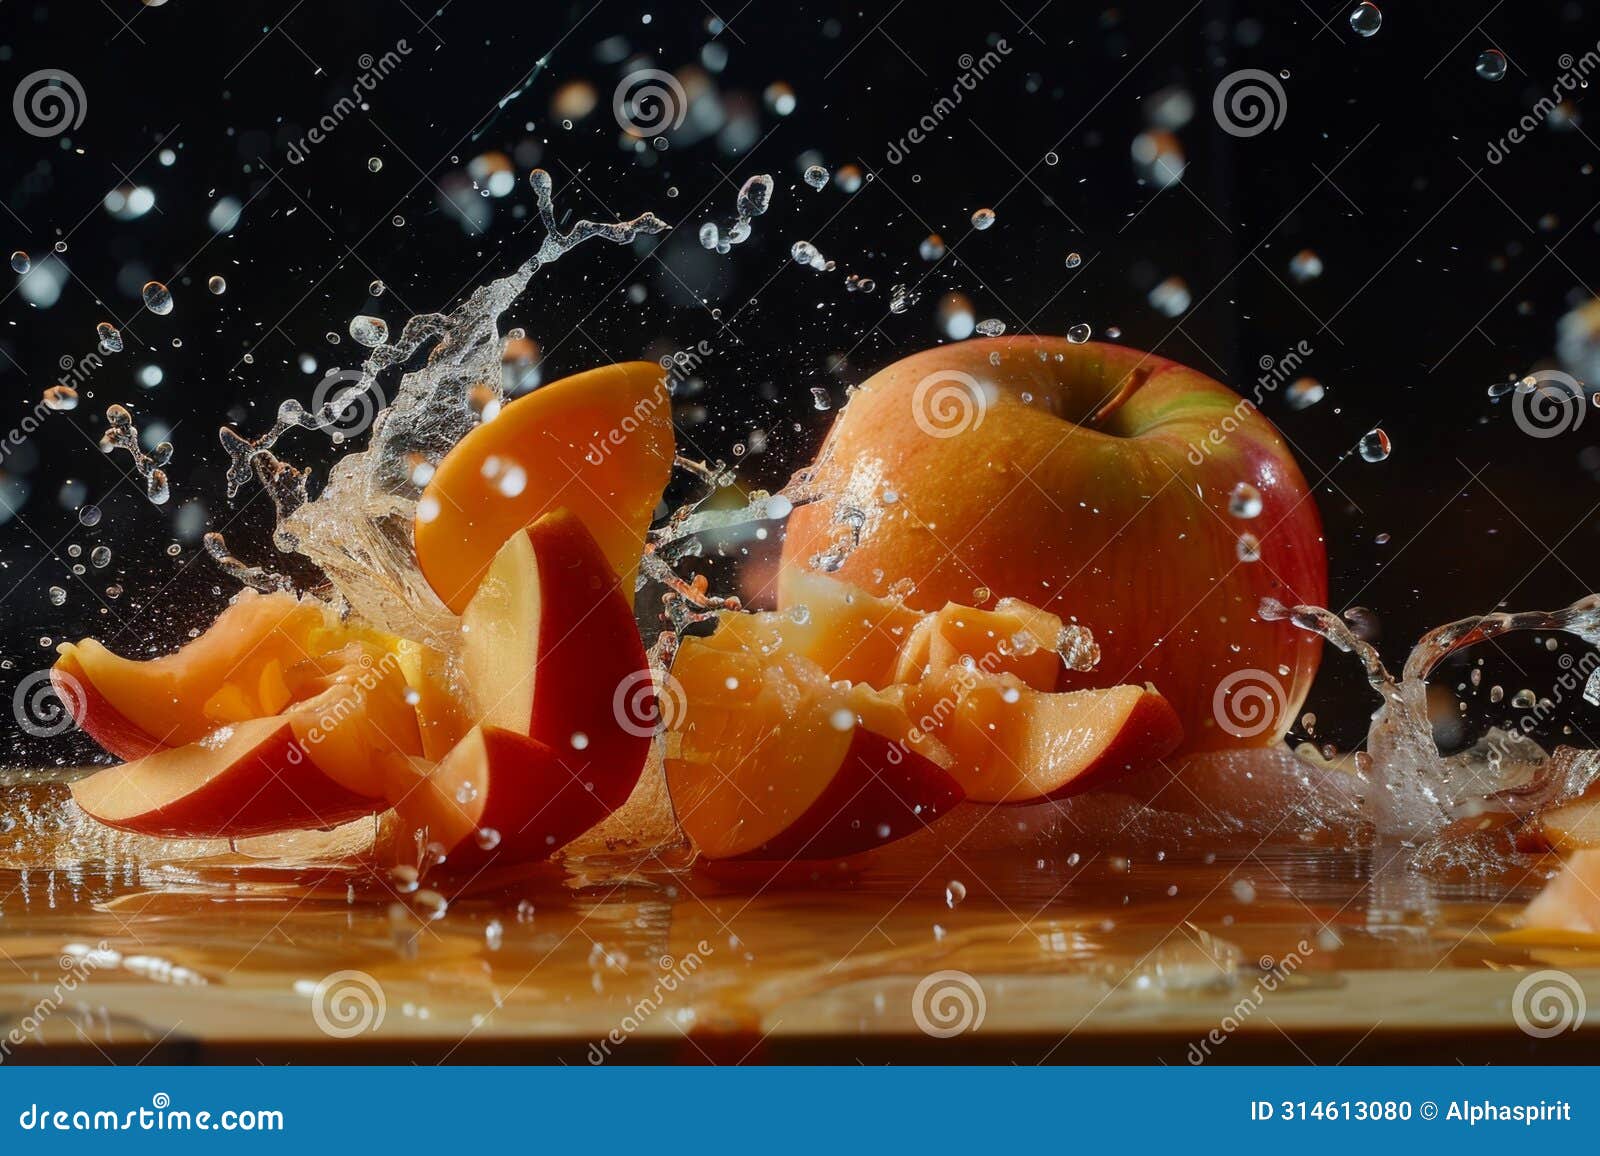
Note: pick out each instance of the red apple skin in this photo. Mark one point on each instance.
(879, 784)
(1097, 521)
(96, 717)
(586, 646)
(533, 798)
(260, 782)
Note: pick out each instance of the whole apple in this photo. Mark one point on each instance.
(1116, 489)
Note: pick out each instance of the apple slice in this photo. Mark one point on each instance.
(1014, 638)
(1575, 825)
(255, 778)
(550, 650)
(770, 759)
(598, 443)
(1570, 901)
(500, 797)
(232, 672)
(1014, 744)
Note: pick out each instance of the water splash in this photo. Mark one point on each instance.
(122, 434)
(358, 530)
(1416, 790)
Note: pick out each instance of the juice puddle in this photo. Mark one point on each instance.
(215, 955)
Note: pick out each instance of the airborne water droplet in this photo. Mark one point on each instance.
(368, 330)
(1491, 64)
(21, 262)
(374, 164)
(1365, 18)
(217, 285)
(1080, 333)
(1375, 446)
(157, 298)
(982, 219)
(708, 235)
(1074, 260)
(804, 253)
(991, 327)
(1305, 266)
(110, 337)
(1303, 393)
(954, 892)
(1248, 548)
(816, 176)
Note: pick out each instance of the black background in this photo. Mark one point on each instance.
(1444, 273)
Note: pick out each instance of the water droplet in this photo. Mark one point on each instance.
(487, 838)
(1491, 64)
(374, 164)
(110, 337)
(368, 330)
(990, 327)
(804, 253)
(61, 398)
(1248, 548)
(816, 176)
(982, 219)
(58, 596)
(932, 247)
(1524, 699)
(755, 195)
(1244, 501)
(1080, 333)
(376, 288)
(1074, 260)
(1171, 297)
(1375, 446)
(708, 235)
(60, 246)
(848, 178)
(1365, 19)
(157, 298)
(1304, 392)
(100, 556)
(954, 892)
(218, 285)
(21, 262)
(1305, 266)
(1052, 159)
(819, 398)
(89, 516)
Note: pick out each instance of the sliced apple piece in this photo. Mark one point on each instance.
(1014, 744)
(1574, 825)
(1014, 638)
(770, 759)
(500, 797)
(1570, 901)
(598, 443)
(550, 649)
(255, 778)
(232, 672)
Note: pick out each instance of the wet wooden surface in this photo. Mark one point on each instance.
(1291, 953)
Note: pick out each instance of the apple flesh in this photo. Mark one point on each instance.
(1095, 482)
(256, 778)
(550, 648)
(1570, 901)
(598, 443)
